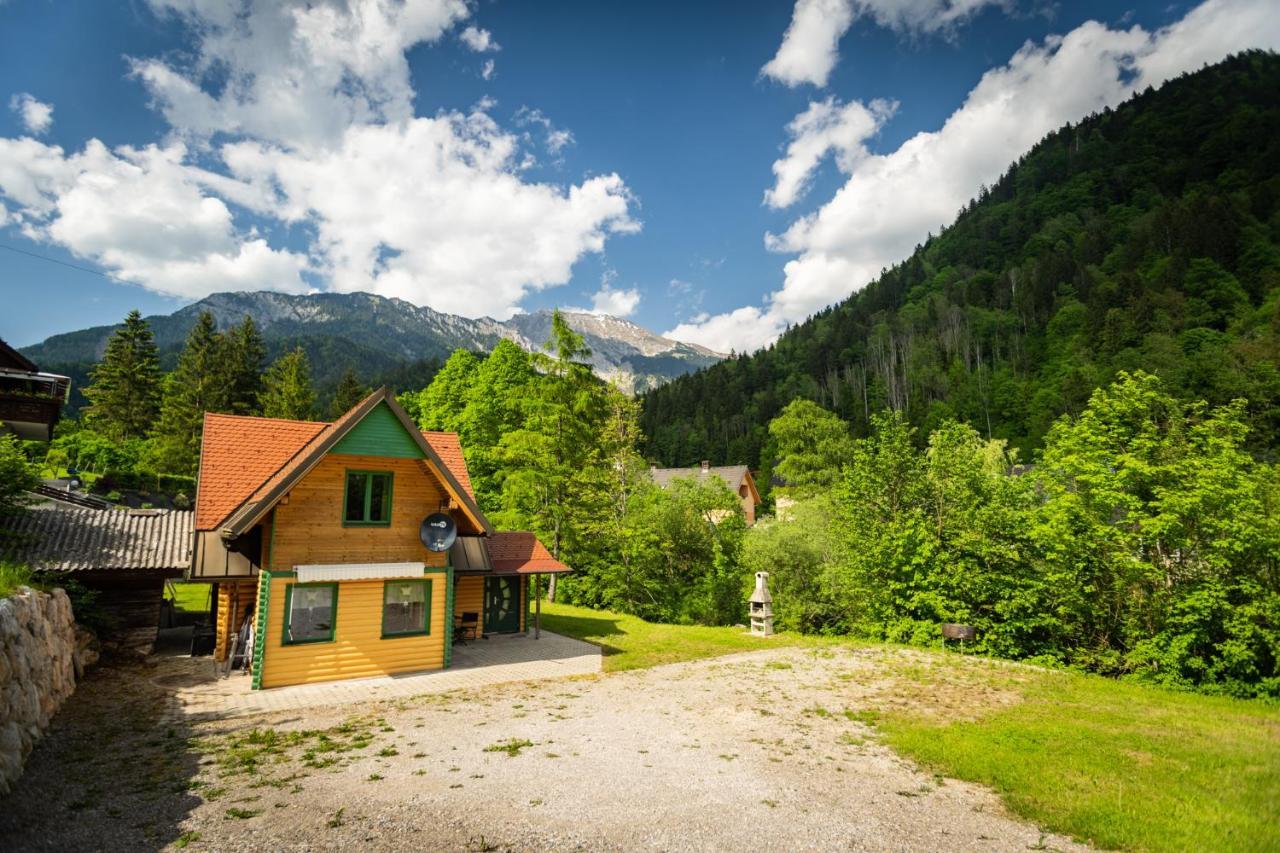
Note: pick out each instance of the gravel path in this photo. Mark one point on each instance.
(753, 751)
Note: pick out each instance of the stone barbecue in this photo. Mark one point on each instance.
(761, 603)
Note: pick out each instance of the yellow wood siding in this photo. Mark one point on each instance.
(358, 649)
(468, 597)
(234, 600)
(308, 529)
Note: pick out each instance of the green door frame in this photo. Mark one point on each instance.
(493, 600)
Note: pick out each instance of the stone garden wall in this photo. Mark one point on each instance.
(41, 654)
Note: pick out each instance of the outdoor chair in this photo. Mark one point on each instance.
(467, 627)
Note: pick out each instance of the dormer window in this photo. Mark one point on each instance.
(367, 500)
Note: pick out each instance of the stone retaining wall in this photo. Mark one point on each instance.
(42, 653)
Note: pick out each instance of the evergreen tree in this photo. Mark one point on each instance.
(197, 385)
(549, 458)
(245, 355)
(348, 395)
(124, 390)
(287, 391)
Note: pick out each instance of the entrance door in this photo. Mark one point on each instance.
(501, 605)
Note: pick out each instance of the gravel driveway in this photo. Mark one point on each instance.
(755, 751)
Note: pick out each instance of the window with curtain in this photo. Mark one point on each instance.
(406, 608)
(310, 613)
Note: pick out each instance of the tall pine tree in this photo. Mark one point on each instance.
(551, 459)
(287, 391)
(124, 389)
(245, 355)
(197, 385)
(349, 393)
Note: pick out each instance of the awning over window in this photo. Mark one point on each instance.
(358, 571)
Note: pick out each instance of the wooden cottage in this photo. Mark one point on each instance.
(737, 477)
(311, 532)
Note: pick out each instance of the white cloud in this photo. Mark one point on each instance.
(555, 138)
(808, 50)
(488, 70)
(891, 201)
(479, 40)
(297, 113)
(923, 16)
(809, 53)
(457, 230)
(141, 214)
(825, 127)
(617, 303)
(36, 116)
(293, 72)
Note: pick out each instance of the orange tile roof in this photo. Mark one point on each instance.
(448, 447)
(521, 552)
(301, 456)
(237, 455)
(242, 458)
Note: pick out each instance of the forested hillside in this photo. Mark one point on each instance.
(1146, 237)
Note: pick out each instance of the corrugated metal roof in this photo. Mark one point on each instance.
(58, 537)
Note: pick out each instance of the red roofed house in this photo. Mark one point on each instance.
(311, 532)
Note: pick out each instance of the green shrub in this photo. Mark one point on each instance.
(14, 575)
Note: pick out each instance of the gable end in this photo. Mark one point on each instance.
(379, 433)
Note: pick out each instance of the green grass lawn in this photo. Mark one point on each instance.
(1114, 763)
(192, 597)
(632, 643)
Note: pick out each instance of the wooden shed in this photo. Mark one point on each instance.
(125, 555)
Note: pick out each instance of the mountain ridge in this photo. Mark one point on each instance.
(380, 335)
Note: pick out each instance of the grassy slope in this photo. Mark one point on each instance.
(632, 643)
(1118, 764)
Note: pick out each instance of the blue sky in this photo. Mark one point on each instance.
(622, 157)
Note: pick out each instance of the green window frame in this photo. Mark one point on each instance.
(287, 637)
(405, 627)
(366, 498)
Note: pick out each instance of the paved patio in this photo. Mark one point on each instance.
(477, 663)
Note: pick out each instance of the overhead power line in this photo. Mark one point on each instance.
(41, 257)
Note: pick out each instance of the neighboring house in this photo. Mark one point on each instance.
(312, 531)
(737, 477)
(30, 401)
(124, 555)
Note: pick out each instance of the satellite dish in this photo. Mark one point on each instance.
(438, 531)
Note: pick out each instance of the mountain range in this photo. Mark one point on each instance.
(387, 340)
